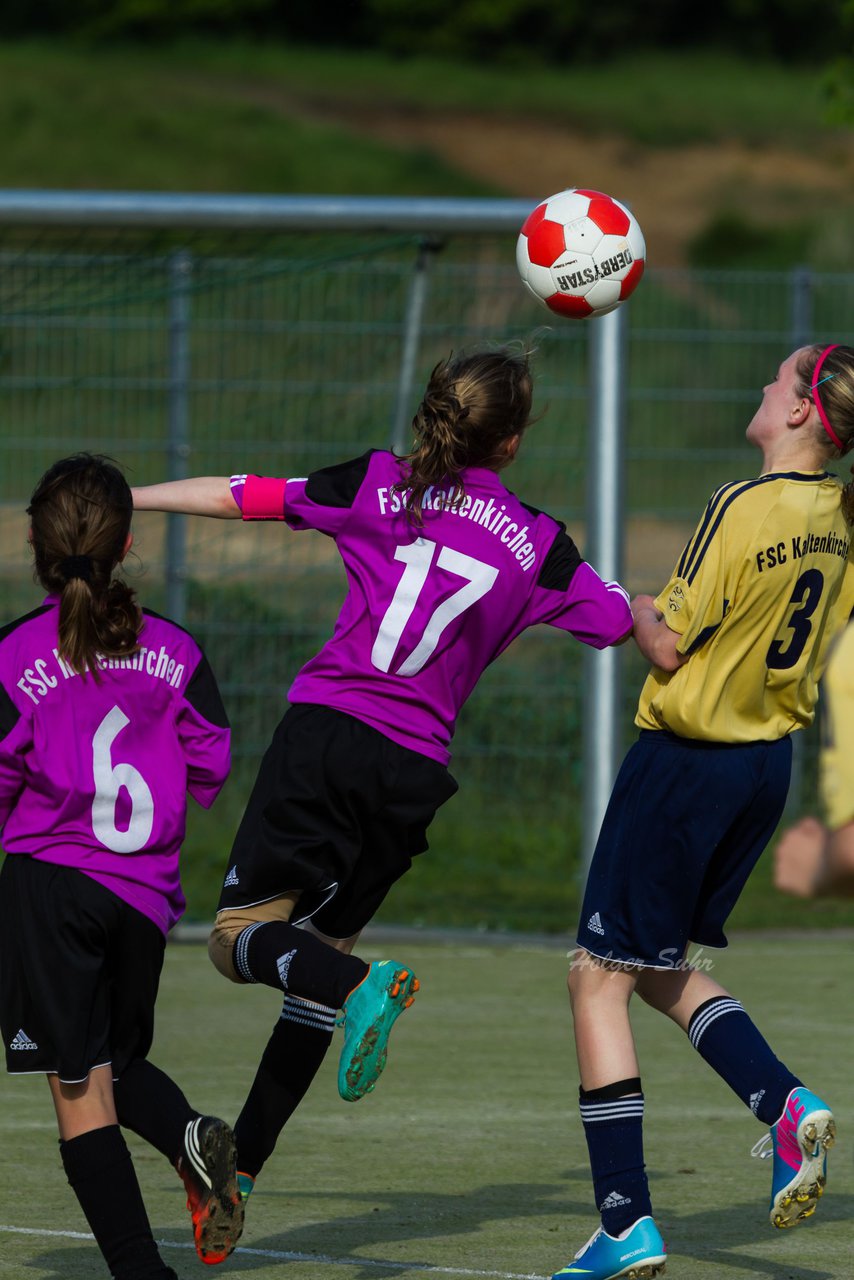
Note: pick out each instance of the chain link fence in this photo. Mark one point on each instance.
(212, 351)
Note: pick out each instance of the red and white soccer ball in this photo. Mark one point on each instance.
(581, 253)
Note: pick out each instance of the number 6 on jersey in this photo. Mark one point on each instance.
(109, 780)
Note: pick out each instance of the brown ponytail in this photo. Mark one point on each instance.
(473, 404)
(80, 515)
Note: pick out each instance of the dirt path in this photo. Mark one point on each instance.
(673, 191)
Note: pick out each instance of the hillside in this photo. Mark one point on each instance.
(674, 191)
(693, 144)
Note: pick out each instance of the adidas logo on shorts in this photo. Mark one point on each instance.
(594, 924)
(613, 1201)
(232, 878)
(755, 1099)
(22, 1041)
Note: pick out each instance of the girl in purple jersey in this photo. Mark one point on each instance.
(445, 568)
(109, 714)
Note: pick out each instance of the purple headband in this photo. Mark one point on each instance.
(814, 393)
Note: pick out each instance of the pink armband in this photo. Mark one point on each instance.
(264, 498)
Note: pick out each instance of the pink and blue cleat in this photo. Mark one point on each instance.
(799, 1143)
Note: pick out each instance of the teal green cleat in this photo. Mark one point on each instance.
(368, 1015)
(245, 1183)
(638, 1254)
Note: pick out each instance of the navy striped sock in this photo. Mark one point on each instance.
(724, 1035)
(613, 1126)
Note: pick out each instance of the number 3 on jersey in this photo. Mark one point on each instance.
(783, 654)
(109, 779)
(418, 558)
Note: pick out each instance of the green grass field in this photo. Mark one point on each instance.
(469, 1159)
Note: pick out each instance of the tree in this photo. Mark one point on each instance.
(839, 81)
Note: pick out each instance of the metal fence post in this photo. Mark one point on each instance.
(412, 326)
(604, 550)
(180, 270)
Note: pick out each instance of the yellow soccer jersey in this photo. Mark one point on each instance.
(837, 756)
(761, 588)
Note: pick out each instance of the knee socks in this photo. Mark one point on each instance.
(613, 1126)
(282, 956)
(150, 1104)
(100, 1171)
(289, 1063)
(723, 1034)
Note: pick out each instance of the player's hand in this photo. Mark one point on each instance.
(656, 641)
(643, 604)
(799, 858)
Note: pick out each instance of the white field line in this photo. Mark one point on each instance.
(283, 1255)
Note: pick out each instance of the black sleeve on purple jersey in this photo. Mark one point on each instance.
(202, 690)
(19, 622)
(9, 714)
(560, 564)
(203, 694)
(338, 485)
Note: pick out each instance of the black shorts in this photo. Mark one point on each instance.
(79, 971)
(686, 823)
(337, 813)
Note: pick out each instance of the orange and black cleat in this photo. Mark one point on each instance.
(208, 1168)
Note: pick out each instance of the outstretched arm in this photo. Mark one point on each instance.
(200, 496)
(653, 637)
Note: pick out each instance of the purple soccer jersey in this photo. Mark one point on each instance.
(429, 609)
(94, 774)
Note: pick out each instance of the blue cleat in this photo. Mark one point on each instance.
(368, 1015)
(245, 1183)
(799, 1143)
(637, 1254)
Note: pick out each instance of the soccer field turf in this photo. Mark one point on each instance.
(469, 1159)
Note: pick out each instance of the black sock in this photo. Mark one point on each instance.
(99, 1169)
(282, 956)
(289, 1063)
(150, 1104)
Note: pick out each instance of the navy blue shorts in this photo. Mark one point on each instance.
(684, 828)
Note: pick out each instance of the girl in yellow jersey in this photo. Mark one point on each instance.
(737, 640)
(816, 858)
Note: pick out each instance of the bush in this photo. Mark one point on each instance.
(732, 241)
